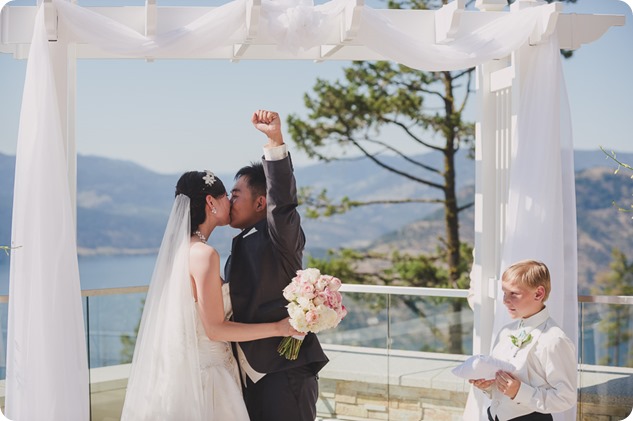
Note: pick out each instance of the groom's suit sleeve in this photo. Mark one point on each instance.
(284, 221)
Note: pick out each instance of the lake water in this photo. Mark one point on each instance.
(100, 271)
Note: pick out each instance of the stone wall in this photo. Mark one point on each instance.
(352, 400)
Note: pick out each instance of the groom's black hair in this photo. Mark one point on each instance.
(255, 178)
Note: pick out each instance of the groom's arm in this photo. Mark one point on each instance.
(284, 222)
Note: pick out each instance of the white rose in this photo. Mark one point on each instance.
(310, 275)
(327, 318)
(305, 303)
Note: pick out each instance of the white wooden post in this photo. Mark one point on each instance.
(492, 158)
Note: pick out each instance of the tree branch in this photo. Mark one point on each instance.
(403, 156)
(392, 169)
(466, 206)
(413, 136)
(392, 202)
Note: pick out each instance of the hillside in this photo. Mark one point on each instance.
(601, 226)
(123, 207)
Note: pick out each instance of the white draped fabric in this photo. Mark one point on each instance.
(541, 215)
(47, 366)
(494, 40)
(541, 211)
(45, 328)
(165, 382)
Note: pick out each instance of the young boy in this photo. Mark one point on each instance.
(545, 359)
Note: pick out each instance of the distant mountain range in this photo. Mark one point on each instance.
(123, 207)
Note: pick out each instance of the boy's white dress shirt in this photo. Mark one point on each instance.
(546, 366)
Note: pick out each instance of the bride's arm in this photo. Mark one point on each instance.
(204, 266)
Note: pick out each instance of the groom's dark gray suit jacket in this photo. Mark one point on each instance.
(264, 258)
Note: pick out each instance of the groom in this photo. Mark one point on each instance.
(264, 258)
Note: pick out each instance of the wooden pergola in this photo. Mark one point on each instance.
(498, 96)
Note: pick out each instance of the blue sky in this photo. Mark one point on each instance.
(171, 116)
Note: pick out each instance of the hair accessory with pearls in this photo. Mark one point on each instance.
(209, 178)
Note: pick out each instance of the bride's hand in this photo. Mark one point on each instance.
(285, 329)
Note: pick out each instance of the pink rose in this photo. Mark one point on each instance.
(307, 290)
(319, 299)
(334, 299)
(311, 317)
(335, 283)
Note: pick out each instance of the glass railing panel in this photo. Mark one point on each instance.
(354, 384)
(389, 356)
(112, 322)
(4, 312)
(429, 335)
(606, 357)
(112, 319)
(4, 316)
(366, 323)
(431, 324)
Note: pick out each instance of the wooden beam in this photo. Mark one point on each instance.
(547, 24)
(50, 20)
(447, 20)
(16, 26)
(151, 18)
(574, 30)
(350, 25)
(253, 14)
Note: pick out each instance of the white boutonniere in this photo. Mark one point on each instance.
(521, 339)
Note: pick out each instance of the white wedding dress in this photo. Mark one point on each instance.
(177, 372)
(221, 389)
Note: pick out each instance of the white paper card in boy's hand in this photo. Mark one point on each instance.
(481, 367)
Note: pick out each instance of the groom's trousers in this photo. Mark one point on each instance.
(288, 395)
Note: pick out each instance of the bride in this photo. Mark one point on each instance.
(183, 366)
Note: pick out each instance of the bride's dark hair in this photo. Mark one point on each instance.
(197, 185)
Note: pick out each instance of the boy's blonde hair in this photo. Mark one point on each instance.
(529, 273)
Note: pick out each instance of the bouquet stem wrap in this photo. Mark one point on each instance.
(289, 347)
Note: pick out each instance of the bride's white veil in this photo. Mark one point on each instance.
(164, 381)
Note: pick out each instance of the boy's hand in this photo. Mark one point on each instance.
(507, 384)
(482, 384)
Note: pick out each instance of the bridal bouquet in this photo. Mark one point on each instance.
(315, 304)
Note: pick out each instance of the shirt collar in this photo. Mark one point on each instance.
(536, 319)
(258, 226)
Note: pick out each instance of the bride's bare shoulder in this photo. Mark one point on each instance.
(202, 251)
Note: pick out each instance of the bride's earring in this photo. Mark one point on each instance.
(214, 211)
